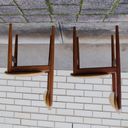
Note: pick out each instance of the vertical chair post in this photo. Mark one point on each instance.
(78, 53)
(16, 50)
(118, 75)
(113, 62)
(112, 51)
(51, 64)
(74, 51)
(10, 49)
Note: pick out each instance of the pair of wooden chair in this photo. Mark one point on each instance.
(115, 96)
(13, 67)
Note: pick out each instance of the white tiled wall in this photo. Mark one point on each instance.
(78, 102)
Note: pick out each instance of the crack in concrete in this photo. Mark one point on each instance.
(112, 9)
(50, 9)
(80, 8)
(20, 10)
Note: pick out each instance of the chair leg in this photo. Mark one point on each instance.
(16, 51)
(113, 51)
(78, 53)
(74, 51)
(10, 49)
(113, 82)
(113, 62)
(118, 74)
(116, 77)
(49, 95)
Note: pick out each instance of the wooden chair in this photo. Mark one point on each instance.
(13, 67)
(115, 96)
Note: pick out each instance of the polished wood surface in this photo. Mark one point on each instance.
(16, 51)
(10, 48)
(51, 71)
(118, 75)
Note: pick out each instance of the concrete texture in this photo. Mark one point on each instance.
(53, 8)
(85, 14)
(91, 55)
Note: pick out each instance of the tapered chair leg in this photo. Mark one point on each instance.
(10, 48)
(112, 96)
(115, 96)
(118, 74)
(78, 53)
(49, 93)
(16, 51)
(113, 62)
(75, 59)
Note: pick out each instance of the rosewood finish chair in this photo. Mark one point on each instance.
(115, 96)
(13, 67)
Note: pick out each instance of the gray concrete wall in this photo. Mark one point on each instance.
(90, 55)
